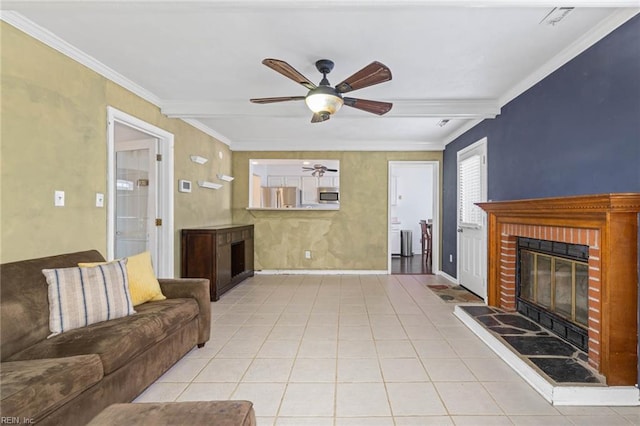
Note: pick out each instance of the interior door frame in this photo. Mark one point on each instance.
(435, 230)
(164, 265)
(482, 145)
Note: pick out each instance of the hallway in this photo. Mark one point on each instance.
(410, 265)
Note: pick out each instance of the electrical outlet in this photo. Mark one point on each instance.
(307, 254)
(58, 198)
(450, 258)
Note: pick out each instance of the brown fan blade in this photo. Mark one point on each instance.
(280, 99)
(373, 73)
(319, 117)
(375, 107)
(288, 71)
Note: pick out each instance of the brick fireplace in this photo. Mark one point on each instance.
(608, 225)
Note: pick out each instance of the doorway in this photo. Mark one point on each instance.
(413, 196)
(136, 192)
(471, 219)
(140, 191)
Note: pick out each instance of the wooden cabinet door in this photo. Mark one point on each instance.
(223, 259)
(198, 253)
(248, 253)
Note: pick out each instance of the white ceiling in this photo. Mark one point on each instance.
(201, 60)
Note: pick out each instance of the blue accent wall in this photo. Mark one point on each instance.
(575, 132)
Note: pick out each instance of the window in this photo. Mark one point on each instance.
(294, 184)
(469, 177)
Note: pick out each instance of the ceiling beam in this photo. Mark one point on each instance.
(442, 108)
(336, 145)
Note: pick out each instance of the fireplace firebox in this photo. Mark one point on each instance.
(552, 286)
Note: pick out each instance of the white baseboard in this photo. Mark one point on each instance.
(321, 272)
(447, 276)
(557, 395)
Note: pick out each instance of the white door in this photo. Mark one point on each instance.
(136, 198)
(472, 246)
(140, 190)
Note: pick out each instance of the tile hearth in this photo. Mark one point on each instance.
(559, 361)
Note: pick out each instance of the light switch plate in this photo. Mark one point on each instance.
(58, 198)
(99, 199)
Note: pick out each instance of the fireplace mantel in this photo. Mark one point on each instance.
(608, 224)
(580, 204)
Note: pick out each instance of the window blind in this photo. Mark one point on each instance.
(469, 178)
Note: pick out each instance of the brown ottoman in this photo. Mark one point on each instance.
(218, 413)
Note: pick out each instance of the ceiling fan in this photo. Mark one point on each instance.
(318, 170)
(325, 100)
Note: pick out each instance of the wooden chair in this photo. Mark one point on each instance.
(425, 239)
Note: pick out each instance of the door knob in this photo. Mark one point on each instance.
(459, 229)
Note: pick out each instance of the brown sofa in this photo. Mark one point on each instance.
(73, 376)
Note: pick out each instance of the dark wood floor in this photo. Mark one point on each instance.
(410, 265)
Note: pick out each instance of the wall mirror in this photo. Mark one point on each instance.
(294, 184)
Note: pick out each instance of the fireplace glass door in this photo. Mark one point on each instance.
(552, 287)
(557, 284)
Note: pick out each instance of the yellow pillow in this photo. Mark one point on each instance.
(143, 285)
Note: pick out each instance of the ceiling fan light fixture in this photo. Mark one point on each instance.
(324, 99)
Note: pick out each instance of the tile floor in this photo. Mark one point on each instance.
(371, 350)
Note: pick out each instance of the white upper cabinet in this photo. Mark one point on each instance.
(284, 181)
(330, 181)
(309, 190)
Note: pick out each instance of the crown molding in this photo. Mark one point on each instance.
(596, 34)
(474, 109)
(460, 131)
(47, 37)
(208, 130)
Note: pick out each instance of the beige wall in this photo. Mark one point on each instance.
(54, 137)
(353, 238)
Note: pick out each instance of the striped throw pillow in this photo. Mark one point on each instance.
(79, 297)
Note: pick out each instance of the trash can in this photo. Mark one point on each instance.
(406, 243)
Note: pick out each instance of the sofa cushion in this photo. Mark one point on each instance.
(33, 388)
(218, 413)
(23, 295)
(119, 340)
(143, 284)
(79, 297)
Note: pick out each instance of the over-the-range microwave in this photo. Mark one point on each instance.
(328, 195)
